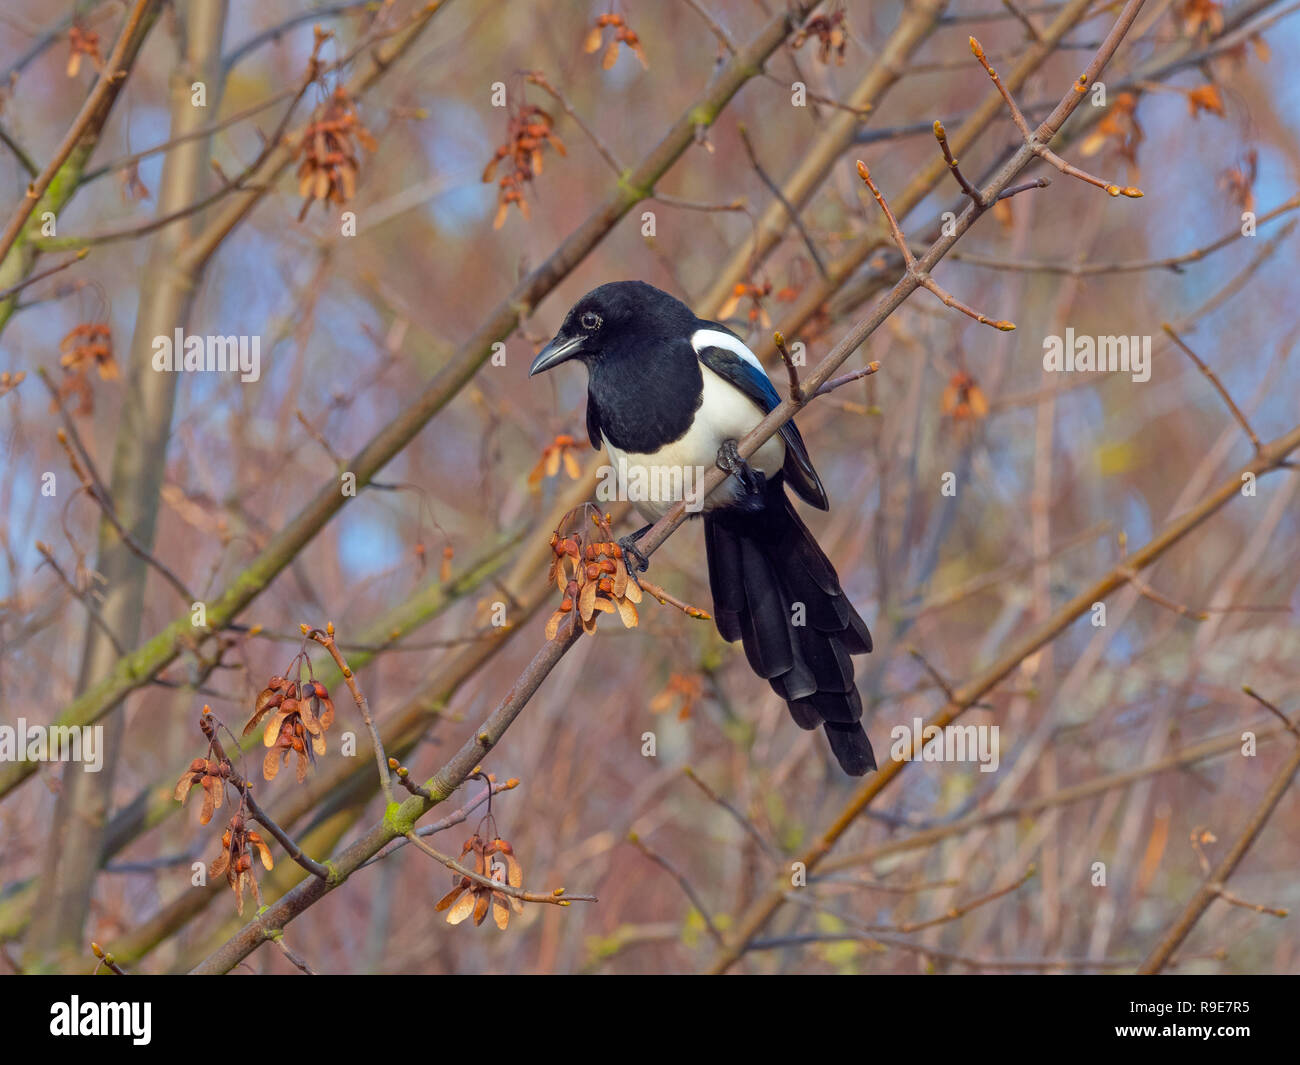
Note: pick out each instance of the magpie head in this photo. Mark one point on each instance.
(619, 316)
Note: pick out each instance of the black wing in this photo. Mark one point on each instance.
(754, 383)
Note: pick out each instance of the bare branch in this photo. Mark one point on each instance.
(1215, 883)
(1218, 385)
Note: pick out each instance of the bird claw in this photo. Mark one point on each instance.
(729, 461)
(632, 557)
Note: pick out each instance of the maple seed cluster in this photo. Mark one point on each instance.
(623, 35)
(1120, 126)
(683, 690)
(527, 133)
(563, 449)
(756, 294)
(238, 845)
(328, 170)
(301, 712)
(1202, 18)
(963, 399)
(83, 43)
(212, 775)
(593, 577)
(1238, 182)
(87, 343)
(832, 35)
(473, 897)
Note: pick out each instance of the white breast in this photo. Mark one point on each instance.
(676, 471)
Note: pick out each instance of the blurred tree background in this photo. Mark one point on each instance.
(396, 320)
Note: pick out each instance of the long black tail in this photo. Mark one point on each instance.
(774, 590)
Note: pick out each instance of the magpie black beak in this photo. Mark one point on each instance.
(557, 351)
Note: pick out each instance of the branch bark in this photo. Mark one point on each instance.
(1217, 880)
(139, 462)
(90, 119)
(142, 664)
(56, 184)
(762, 910)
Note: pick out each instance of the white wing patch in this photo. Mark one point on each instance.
(716, 338)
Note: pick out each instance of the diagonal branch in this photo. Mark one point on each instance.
(136, 668)
(1218, 385)
(1272, 457)
(91, 116)
(1037, 139)
(1215, 884)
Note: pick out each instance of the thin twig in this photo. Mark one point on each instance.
(1035, 140)
(91, 483)
(848, 378)
(106, 959)
(294, 959)
(152, 225)
(1291, 726)
(1181, 759)
(1147, 592)
(1023, 19)
(740, 819)
(24, 160)
(558, 897)
(208, 723)
(713, 25)
(1218, 385)
(84, 597)
(953, 913)
(941, 135)
(536, 77)
(775, 189)
(106, 88)
(1173, 263)
(935, 675)
(41, 275)
(274, 33)
(326, 640)
(456, 817)
(404, 779)
(1216, 882)
(913, 268)
(666, 598)
(1255, 907)
(961, 910)
(739, 205)
(682, 882)
(153, 656)
(796, 389)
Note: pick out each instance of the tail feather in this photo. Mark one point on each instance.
(775, 591)
(766, 634)
(851, 748)
(726, 579)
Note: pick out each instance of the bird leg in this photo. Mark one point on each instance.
(632, 558)
(729, 461)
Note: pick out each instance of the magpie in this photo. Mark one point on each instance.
(669, 393)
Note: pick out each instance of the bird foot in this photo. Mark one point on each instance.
(633, 559)
(729, 461)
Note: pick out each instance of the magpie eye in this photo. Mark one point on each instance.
(590, 320)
